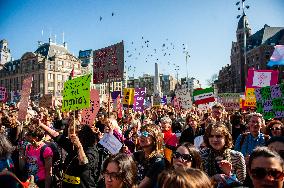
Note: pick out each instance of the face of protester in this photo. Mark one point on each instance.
(146, 140)
(217, 113)
(276, 130)
(165, 126)
(181, 158)
(255, 124)
(217, 139)
(100, 117)
(263, 171)
(112, 176)
(192, 122)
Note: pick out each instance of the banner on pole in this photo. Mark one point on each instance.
(261, 78)
(89, 114)
(184, 98)
(231, 101)
(139, 97)
(128, 96)
(250, 100)
(203, 96)
(25, 97)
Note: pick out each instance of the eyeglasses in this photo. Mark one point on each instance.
(261, 173)
(217, 136)
(184, 157)
(275, 128)
(112, 175)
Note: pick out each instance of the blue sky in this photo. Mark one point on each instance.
(207, 27)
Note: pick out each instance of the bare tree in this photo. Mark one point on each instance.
(213, 78)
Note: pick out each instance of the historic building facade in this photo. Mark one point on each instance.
(50, 65)
(259, 48)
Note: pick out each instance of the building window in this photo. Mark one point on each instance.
(60, 63)
(50, 76)
(50, 84)
(59, 77)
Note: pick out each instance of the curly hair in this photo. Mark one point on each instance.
(127, 168)
(273, 122)
(156, 134)
(225, 132)
(193, 116)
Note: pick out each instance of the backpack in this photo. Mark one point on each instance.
(56, 163)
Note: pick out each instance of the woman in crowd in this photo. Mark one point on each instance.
(275, 128)
(238, 125)
(220, 162)
(186, 156)
(81, 166)
(193, 130)
(149, 160)
(38, 162)
(266, 168)
(184, 178)
(120, 171)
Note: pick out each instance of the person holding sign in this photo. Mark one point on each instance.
(81, 166)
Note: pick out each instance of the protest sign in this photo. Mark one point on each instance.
(46, 101)
(89, 114)
(115, 94)
(111, 143)
(184, 98)
(108, 64)
(25, 97)
(250, 100)
(261, 78)
(231, 101)
(156, 100)
(76, 94)
(139, 99)
(269, 101)
(3, 94)
(119, 107)
(164, 100)
(128, 96)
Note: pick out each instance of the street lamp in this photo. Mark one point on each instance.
(241, 6)
(177, 69)
(187, 56)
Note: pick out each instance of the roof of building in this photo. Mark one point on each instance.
(266, 35)
(51, 49)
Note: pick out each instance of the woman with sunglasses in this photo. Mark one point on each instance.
(120, 171)
(186, 156)
(275, 128)
(221, 163)
(266, 168)
(149, 160)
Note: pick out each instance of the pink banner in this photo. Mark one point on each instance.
(25, 97)
(261, 78)
(119, 107)
(89, 114)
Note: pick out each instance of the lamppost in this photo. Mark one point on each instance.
(241, 6)
(187, 56)
(177, 69)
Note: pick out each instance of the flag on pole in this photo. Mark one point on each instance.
(72, 73)
(203, 96)
(277, 57)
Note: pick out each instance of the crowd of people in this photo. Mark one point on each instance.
(162, 147)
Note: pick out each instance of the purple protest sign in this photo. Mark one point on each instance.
(164, 100)
(139, 99)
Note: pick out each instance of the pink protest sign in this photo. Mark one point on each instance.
(3, 94)
(25, 97)
(261, 78)
(119, 107)
(89, 114)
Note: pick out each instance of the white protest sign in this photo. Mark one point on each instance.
(111, 143)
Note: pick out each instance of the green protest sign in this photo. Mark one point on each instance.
(76, 94)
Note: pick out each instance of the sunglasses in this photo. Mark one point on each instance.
(145, 134)
(112, 175)
(184, 157)
(276, 129)
(261, 173)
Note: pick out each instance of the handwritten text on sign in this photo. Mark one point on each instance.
(139, 99)
(111, 143)
(76, 94)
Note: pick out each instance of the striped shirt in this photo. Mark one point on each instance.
(237, 160)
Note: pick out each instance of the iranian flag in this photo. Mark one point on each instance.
(203, 96)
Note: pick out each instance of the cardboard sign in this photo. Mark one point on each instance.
(76, 94)
(231, 101)
(46, 101)
(3, 94)
(89, 114)
(25, 97)
(108, 64)
(128, 96)
(184, 98)
(156, 100)
(139, 97)
(270, 101)
(111, 143)
(250, 98)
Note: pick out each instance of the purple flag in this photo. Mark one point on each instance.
(139, 99)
